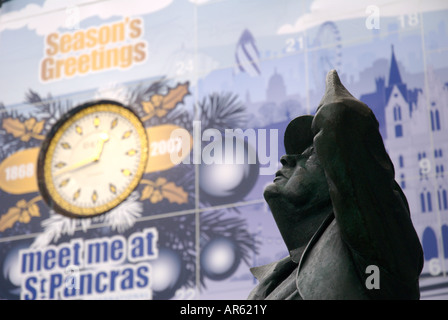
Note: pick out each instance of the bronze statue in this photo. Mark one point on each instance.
(339, 210)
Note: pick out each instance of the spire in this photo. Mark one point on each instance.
(394, 73)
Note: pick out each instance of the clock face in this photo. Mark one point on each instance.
(93, 159)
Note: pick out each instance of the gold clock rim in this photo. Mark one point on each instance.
(104, 107)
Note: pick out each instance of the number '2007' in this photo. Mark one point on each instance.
(158, 148)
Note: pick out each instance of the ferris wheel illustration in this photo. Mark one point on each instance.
(327, 52)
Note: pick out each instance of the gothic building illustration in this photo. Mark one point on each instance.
(414, 125)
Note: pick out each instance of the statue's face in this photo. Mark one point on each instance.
(300, 183)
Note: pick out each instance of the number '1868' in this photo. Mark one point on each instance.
(19, 172)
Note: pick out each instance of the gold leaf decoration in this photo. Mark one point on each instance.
(22, 212)
(159, 105)
(175, 96)
(161, 189)
(31, 128)
(174, 193)
(151, 107)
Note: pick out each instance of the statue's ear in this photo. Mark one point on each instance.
(298, 135)
(334, 90)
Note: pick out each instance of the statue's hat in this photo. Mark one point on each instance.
(298, 135)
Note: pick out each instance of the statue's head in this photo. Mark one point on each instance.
(301, 182)
(299, 195)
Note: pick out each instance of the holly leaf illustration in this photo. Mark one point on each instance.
(159, 105)
(14, 127)
(8, 219)
(175, 95)
(161, 189)
(22, 212)
(147, 192)
(31, 128)
(173, 193)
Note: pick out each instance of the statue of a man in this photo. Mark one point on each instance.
(342, 216)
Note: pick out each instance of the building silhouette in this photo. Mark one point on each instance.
(414, 126)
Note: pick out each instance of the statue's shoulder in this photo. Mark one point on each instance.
(264, 271)
(330, 270)
(270, 276)
(327, 271)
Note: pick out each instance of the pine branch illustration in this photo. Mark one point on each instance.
(214, 224)
(49, 109)
(222, 111)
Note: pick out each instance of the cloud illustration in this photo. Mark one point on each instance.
(55, 14)
(330, 10)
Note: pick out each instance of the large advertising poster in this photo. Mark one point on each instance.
(211, 87)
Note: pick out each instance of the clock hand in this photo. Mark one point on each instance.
(104, 137)
(76, 165)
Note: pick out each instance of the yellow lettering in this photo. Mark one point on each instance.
(70, 67)
(59, 68)
(140, 53)
(46, 69)
(136, 29)
(52, 44)
(97, 59)
(112, 56)
(79, 40)
(126, 56)
(65, 43)
(83, 64)
(91, 38)
(76, 58)
(118, 32)
(104, 36)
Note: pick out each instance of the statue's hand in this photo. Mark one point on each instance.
(339, 109)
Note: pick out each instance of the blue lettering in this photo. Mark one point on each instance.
(64, 257)
(113, 276)
(98, 287)
(30, 293)
(128, 280)
(96, 253)
(76, 248)
(149, 238)
(55, 284)
(142, 275)
(31, 261)
(142, 245)
(137, 248)
(86, 284)
(49, 259)
(116, 250)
